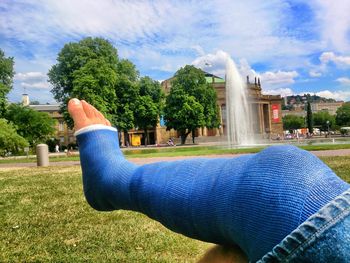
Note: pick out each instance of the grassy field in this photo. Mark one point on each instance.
(44, 217)
(181, 151)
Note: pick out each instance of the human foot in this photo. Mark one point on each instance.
(84, 114)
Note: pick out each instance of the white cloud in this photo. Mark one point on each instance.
(246, 70)
(337, 95)
(279, 77)
(36, 85)
(315, 74)
(161, 36)
(331, 57)
(30, 76)
(214, 63)
(279, 91)
(344, 80)
(252, 29)
(334, 22)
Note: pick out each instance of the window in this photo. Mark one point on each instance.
(61, 126)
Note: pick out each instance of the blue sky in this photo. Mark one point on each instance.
(293, 46)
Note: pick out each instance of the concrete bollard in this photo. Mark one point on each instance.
(42, 155)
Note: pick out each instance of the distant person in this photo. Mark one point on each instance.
(57, 148)
(171, 142)
(282, 204)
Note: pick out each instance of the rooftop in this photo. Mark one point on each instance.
(46, 107)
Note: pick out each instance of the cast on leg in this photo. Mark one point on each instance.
(253, 201)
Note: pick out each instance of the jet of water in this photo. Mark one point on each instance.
(239, 121)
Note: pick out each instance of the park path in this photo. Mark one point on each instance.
(340, 152)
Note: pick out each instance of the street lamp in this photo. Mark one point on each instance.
(327, 128)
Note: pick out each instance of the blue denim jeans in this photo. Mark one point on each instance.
(324, 237)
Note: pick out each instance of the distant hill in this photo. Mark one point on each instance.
(300, 100)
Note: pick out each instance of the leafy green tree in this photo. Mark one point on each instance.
(36, 127)
(6, 79)
(343, 115)
(91, 70)
(321, 118)
(189, 83)
(126, 89)
(149, 105)
(10, 141)
(293, 122)
(309, 117)
(183, 113)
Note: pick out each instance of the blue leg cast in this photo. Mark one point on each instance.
(253, 201)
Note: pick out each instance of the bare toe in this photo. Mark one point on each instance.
(93, 114)
(77, 112)
(108, 123)
(89, 110)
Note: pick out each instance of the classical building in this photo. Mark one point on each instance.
(265, 109)
(330, 107)
(63, 133)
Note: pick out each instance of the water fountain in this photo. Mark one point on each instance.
(239, 121)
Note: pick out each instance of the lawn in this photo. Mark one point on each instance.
(44, 217)
(187, 150)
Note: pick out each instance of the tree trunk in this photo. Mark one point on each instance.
(183, 137)
(193, 135)
(126, 139)
(120, 138)
(146, 136)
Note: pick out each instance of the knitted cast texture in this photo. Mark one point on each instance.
(253, 201)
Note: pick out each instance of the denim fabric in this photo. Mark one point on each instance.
(324, 237)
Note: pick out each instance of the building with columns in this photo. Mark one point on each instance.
(265, 111)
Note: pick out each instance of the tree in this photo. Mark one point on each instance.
(10, 141)
(36, 127)
(183, 113)
(6, 79)
(126, 89)
(292, 122)
(324, 120)
(91, 70)
(189, 84)
(149, 105)
(309, 116)
(343, 115)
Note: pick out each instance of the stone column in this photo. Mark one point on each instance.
(205, 131)
(261, 118)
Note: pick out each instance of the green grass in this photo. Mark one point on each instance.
(44, 217)
(182, 151)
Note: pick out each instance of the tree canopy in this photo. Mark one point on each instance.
(293, 122)
(321, 118)
(6, 79)
(36, 127)
(149, 104)
(191, 102)
(343, 115)
(91, 70)
(10, 141)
